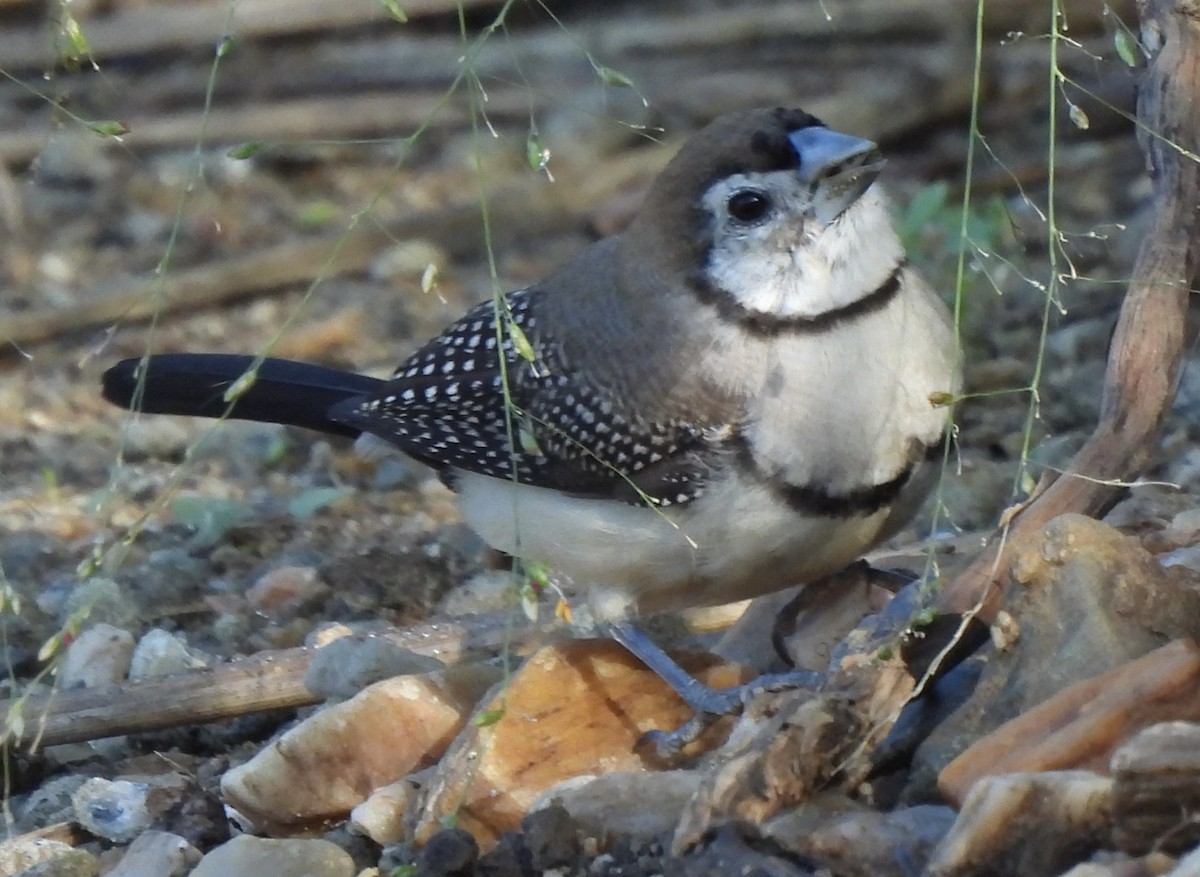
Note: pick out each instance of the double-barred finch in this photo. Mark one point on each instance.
(730, 397)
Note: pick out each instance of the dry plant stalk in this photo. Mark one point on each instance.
(1147, 347)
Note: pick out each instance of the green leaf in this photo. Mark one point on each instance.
(317, 214)
(247, 150)
(1127, 49)
(487, 718)
(241, 385)
(108, 128)
(521, 342)
(528, 441)
(77, 47)
(395, 11)
(49, 648)
(87, 567)
(536, 154)
(537, 573)
(612, 77)
(49, 478)
(924, 618)
(429, 278)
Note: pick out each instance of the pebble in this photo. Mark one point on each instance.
(1183, 468)
(162, 653)
(285, 591)
(736, 849)
(104, 600)
(449, 853)
(158, 438)
(267, 857)
(393, 473)
(157, 854)
(21, 853)
(100, 655)
(1116, 865)
(50, 802)
(552, 837)
(172, 575)
(510, 857)
(1027, 823)
(485, 591)
(636, 804)
(898, 843)
(113, 809)
(70, 863)
(349, 664)
(1156, 777)
(330, 762)
(381, 816)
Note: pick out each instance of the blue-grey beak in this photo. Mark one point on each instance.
(838, 168)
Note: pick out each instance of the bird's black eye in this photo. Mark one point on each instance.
(748, 205)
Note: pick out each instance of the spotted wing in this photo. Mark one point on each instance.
(470, 400)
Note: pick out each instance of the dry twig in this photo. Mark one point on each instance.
(1147, 348)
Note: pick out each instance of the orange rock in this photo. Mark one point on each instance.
(1154, 781)
(279, 593)
(1081, 726)
(1026, 823)
(574, 708)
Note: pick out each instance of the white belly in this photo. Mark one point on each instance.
(737, 541)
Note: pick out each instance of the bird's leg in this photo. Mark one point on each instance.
(707, 703)
(700, 697)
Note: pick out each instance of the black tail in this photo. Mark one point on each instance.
(295, 393)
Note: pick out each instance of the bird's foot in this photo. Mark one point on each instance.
(711, 704)
(708, 704)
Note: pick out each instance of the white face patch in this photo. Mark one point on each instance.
(785, 263)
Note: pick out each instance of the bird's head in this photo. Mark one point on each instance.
(772, 212)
